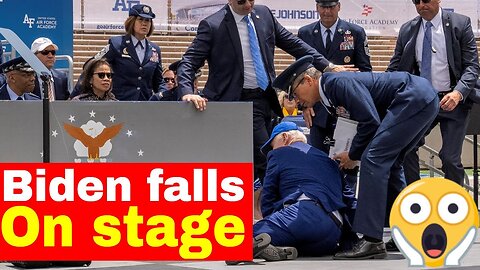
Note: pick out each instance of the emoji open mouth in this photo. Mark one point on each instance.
(434, 241)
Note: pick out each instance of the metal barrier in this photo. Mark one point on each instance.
(430, 165)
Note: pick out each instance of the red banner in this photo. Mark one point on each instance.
(129, 211)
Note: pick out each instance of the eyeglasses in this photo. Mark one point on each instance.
(292, 92)
(417, 2)
(102, 75)
(242, 2)
(166, 80)
(46, 52)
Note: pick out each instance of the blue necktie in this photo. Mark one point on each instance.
(426, 69)
(262, 79)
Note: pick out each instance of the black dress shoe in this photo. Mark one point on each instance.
(363, 250)
(391, 246)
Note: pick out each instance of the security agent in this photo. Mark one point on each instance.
(393, 111)
(20, 80)
(453, 69)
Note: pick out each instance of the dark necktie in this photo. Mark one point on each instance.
(328, 41)
(260, 73)
(19, 98)
(139, 44)
(426, 69)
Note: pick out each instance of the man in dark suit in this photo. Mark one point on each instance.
(347, 46)
(393, 111)
(447, 40)
(45, 50)
(20, 80)
(238, 41)
(302, 198)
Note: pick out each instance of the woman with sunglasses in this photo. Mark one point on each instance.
(289, 106)
(97, 82)
(135, 60)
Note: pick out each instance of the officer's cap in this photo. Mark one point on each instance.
(327, 3)
(285, 79)
(16, 64)
(282, 127)
(142, 10)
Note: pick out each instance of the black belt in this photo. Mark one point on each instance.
(444, 93)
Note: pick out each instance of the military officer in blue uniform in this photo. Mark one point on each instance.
(342, 43)
(302, 197)
(392, 116)
(136, 62)
(20, 80)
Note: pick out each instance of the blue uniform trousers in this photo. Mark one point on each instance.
(381, 173)
(304, 225)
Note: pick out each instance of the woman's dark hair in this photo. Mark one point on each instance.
(88, 73)
(130, 23)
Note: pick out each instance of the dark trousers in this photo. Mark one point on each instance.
(381, 176)
(262, 127)
(453, 127)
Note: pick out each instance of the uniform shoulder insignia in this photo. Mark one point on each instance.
(102, 52)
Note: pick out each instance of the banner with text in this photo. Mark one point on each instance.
(378, 17)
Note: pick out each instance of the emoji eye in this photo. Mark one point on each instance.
(415, 208)
(453, 208)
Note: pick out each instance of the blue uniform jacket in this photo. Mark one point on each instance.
(4, 94)
(218, 42)
(349, 46)
(370, 96)
(133, 79)
(301, 169)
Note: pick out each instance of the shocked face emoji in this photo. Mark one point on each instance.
(433, 222)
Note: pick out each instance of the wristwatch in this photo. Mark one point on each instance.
(329, 68)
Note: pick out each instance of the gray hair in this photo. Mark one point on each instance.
(312, 72)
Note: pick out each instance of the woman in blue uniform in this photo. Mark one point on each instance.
(136, 62)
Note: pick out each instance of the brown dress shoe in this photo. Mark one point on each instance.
(273, 253)
(363, 250)
(260, 242)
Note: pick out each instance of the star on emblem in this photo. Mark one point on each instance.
(129, 133)
(54, 133)
(140, 153)
(92, 114)
(71, 118)
(112, 118)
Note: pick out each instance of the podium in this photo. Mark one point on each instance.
(473, 129)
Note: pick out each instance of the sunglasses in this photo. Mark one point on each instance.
(417, 2)
(102, 75)
(46, 52)
(166, 80)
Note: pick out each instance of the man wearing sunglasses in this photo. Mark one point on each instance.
(446, 40)
(238, 41)
(45, 50)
